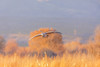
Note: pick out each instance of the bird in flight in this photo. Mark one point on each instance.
(44, 34)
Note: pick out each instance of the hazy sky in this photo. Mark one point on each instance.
(64, 15)
(50, 8)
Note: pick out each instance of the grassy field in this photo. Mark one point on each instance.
(65, 61)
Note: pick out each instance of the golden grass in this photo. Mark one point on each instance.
(65, 61)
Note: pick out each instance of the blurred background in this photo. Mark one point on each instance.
(74, 18)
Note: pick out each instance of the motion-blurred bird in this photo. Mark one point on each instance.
(44, 34)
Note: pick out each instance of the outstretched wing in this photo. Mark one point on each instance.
(35, 36)
(49, 32)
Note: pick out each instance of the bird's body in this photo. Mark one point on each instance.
(44, 34)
